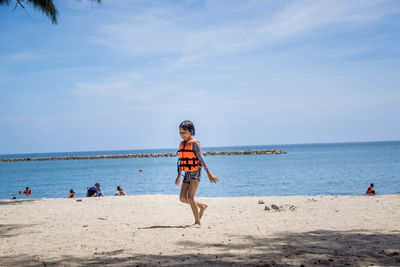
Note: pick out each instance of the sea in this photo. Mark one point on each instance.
(306, 169)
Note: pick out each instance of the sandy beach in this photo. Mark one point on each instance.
(150, 230)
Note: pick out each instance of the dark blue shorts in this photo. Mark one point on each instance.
(192, 175)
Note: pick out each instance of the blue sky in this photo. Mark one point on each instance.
(124, 74)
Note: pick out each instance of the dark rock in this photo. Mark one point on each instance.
(275, 207)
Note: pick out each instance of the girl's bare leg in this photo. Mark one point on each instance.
(194, 184)
(184, 197)
(202, 209)
(184, 192)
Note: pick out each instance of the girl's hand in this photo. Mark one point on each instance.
(213, 179)
(178, 180)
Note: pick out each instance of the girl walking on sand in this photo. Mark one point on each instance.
(191, 161)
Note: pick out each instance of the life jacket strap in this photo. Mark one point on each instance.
(185, 150)
(185, 162)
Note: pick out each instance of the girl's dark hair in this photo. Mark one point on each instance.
(188, 125)
(71, 191)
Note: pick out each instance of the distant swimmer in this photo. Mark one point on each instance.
(370, 191)
(191, 162)
(28, 191)
(120, 191)
(71, 194)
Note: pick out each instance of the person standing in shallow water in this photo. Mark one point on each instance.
(370, 191)
(191, 162)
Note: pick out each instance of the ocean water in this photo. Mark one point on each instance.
(306, 169)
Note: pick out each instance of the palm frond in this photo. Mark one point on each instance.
(45, 6)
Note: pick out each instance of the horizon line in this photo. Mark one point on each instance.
(317, 143)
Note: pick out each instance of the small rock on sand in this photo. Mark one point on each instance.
(260, 202)
(266, 208)
(275, 207)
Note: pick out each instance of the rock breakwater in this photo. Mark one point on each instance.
(146, 155)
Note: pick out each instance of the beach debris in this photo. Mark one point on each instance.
(101, 219)
(260, 202)
(79, 200)
(85, 225)
(275, 207)
(280, 208)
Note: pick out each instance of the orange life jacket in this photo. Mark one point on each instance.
(188, 161)
(28, 192)
(369, 190)
(71, 195)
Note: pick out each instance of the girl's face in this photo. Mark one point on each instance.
(185, 134)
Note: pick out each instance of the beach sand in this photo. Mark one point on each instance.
(150, 230)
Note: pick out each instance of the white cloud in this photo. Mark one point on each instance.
(143, 35)
(22, 56)
(126, 86)
(189, 37)
(147, 90)
(302, 17)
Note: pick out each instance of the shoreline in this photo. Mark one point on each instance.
(150, 230)
(143, 195)
(199, 196)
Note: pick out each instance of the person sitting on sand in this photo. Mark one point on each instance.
(99, 193)
(94, 191)
(370, 192)
(191, 161)
(71, 194)
(120, 191)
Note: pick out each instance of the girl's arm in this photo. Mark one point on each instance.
(212, 178)
(199, 155)
(178, 178)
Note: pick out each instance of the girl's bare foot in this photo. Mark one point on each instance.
(202, 210)
(196, 225)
